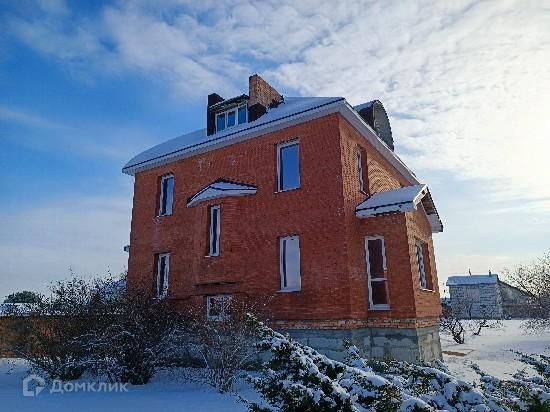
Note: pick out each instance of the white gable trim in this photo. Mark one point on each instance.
(221, 188)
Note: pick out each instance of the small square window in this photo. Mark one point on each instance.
(218, 307)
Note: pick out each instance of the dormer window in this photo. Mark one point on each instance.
(231, 118)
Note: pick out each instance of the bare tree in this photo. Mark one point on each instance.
(534, 280)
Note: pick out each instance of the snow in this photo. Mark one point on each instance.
(292, 106)
(166, 392)
(472, 279)
(219, 189)
(492, 350)
(403, 199)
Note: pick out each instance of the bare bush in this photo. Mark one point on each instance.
(224, 345)
(533, 280)
(47, 333)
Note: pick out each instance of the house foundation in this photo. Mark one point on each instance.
(403, 344)
(410, 345)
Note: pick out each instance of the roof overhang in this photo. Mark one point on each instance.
(221, 188)
(404, 199)
(249, 131)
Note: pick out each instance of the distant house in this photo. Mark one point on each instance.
(486, 296)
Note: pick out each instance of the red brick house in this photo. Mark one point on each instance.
(300, 199)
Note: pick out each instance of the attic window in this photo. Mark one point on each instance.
(231, 118)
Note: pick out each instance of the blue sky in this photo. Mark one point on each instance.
(87, 85)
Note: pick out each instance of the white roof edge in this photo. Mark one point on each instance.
(239, 136)
(340, 105)
(211, 191)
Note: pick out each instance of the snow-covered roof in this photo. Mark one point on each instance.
(472, 279)
(404, 199)
(198, 141)
(221, 188)
(293, 110)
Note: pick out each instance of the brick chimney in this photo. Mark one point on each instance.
(261, 95)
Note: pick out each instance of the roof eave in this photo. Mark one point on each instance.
(238, 136)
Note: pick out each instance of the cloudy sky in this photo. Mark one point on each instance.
(87, 85)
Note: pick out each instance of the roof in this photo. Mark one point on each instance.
(174, 149)
(221, 188)
(293, 110)
(404, 199)
(472, 279)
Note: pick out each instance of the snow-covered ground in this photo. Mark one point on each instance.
(169, 392)
(491, 350)
(164, 393)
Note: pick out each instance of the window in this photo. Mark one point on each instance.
(163, 269)
(422, 260)
(166, 195)
(289, 251)
(218, 307)
(360, 170)
(214, 243)
(288, 166)
(421, 268)
(231, 118)
(376, 272)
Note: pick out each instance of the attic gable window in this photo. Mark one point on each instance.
(231, 118)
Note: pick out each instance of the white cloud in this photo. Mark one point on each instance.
(464, 82)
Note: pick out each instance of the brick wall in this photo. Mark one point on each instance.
(260, 91)
(321, 212)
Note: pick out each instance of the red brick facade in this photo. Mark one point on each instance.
(334, 287)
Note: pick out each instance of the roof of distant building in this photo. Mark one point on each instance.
(472, 279)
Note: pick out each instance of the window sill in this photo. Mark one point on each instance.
(287, 190)
(289, 290)
(427, 290)
(380, 308)
(212, 256)
(164, 215)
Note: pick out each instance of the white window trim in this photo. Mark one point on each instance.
(421, 266)
(282, 265)
(162, 294)
(224, 113)
(165, 177)
(281, 146)
(359, 156)
(222, 316)
(370, 279)
(213, 209)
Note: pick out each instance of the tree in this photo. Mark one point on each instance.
(533, 280)
(25, 296)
